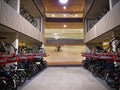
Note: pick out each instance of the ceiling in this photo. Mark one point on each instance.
(64, 19)
(59, 25)
(73, 6)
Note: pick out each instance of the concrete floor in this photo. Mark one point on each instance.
(65, 78)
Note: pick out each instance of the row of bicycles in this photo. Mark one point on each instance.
(16, 69)
(102, 65)
(15, 75)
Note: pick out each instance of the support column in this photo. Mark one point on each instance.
(15, 43)
(39, 23)
(110, 4)
(85, 28)
(42, 24)
(15, 4)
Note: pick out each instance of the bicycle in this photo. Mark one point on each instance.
(6, 81)
(115, 45)
(6, 48)
(112, 77)
(21, 72)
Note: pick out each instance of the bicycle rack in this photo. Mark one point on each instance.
(19, 58)
(99, 56)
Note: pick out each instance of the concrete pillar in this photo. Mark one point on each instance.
(39, 23)
(15, 4)
(15, 43)
(42, 24)
(18, 6)
(85, 28)
(110, 4)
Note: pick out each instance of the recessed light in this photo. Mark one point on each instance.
(76, 15)
(63, 1)
(64, 7)
(65, 15)
(56, 37)
(64, 26)
(53, 15)
(55, 34)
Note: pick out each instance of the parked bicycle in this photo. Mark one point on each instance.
(6, 48)
(115, 45)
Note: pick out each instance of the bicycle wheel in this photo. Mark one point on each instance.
(23, 76)
(110, 79)
(11, 85)
(17, 78)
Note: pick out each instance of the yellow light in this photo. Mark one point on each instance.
(64, 7)
(76, 15)
(64, 26)
(53, 15)
(65, 15)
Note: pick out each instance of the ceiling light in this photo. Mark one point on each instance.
(53, 15)
(63, 1)
(64, 26)
(56, 37)
(65, 15)
(64, 7)
(55, 34)
(76, 15)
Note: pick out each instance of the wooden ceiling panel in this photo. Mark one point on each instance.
(56, 25)
(73, 6)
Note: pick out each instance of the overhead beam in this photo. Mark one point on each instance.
(64, 41)
(64, 19)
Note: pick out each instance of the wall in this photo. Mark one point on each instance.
(107, 23)
(10, 18)
(66, 55)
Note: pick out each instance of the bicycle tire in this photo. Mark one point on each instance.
(10, 84)
(110, 79)
(23, 76)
